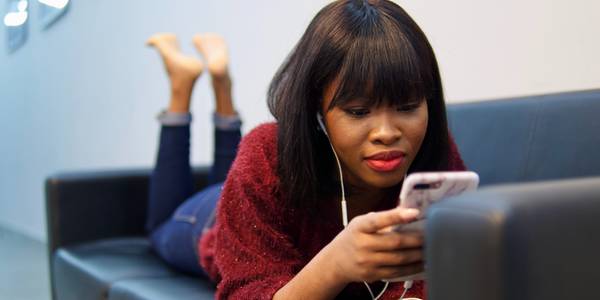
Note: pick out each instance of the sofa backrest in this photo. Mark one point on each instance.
(529, 138)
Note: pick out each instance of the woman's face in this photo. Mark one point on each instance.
(376, 145)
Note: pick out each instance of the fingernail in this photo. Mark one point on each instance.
(410, 212)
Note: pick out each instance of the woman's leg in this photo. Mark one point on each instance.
(226, 143)
(176, 239)
(227, 123)
(171, 181)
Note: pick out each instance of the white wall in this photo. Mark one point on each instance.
(491, 49)
(83, 94)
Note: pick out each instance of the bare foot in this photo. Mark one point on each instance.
(182, 70)
(212, 46)
(180, 67)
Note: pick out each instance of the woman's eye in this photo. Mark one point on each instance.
(408, 108)
(357, 112)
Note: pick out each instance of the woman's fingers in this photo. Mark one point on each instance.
(398, 258)
(376, 221)
(395, 241)
(391, 241)
(374, 253)
(391, 272)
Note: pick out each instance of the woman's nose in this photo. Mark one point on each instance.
(385, 130)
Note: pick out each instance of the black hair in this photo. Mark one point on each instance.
(371, 48)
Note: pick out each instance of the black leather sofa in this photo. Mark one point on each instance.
(531, 232)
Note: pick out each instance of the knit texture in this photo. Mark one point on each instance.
(258, 244)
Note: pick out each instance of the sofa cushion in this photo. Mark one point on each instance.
(89, 271)
(160, 288)
(529, 138)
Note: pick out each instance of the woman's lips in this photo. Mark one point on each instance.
(385, 161)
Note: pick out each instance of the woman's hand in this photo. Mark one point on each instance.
(369, 250)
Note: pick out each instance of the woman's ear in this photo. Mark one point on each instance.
(321, 124)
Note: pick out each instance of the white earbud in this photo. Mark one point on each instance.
(321, 124)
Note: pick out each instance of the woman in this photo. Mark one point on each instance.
(281, 230)
(368, 71)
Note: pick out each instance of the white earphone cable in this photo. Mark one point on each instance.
(344, 206)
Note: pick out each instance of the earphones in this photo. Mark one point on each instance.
(407, 284)
(344, 206)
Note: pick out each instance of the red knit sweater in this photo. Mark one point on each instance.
(257, 244)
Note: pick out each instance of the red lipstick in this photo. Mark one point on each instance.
(385, 161)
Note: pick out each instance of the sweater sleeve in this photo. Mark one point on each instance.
(254, 254)
(455, 162)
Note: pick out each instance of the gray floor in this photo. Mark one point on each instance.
(23, 268)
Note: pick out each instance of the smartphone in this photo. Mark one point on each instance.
(420, 190)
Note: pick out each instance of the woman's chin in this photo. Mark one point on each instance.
(383, 181)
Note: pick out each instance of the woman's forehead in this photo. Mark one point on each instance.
(337, 94)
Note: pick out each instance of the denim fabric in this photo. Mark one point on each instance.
(232, 122)
(167, 118)
(176, 218)
(176, 240)
(171, 181)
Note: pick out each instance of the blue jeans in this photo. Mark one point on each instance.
(176, 217)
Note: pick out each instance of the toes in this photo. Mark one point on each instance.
(160, 40)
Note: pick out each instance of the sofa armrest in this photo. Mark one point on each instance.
(86, 206)
(521, 241)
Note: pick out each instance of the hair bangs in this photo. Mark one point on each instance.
(383, 67)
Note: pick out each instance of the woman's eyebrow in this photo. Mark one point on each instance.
(412, 103)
